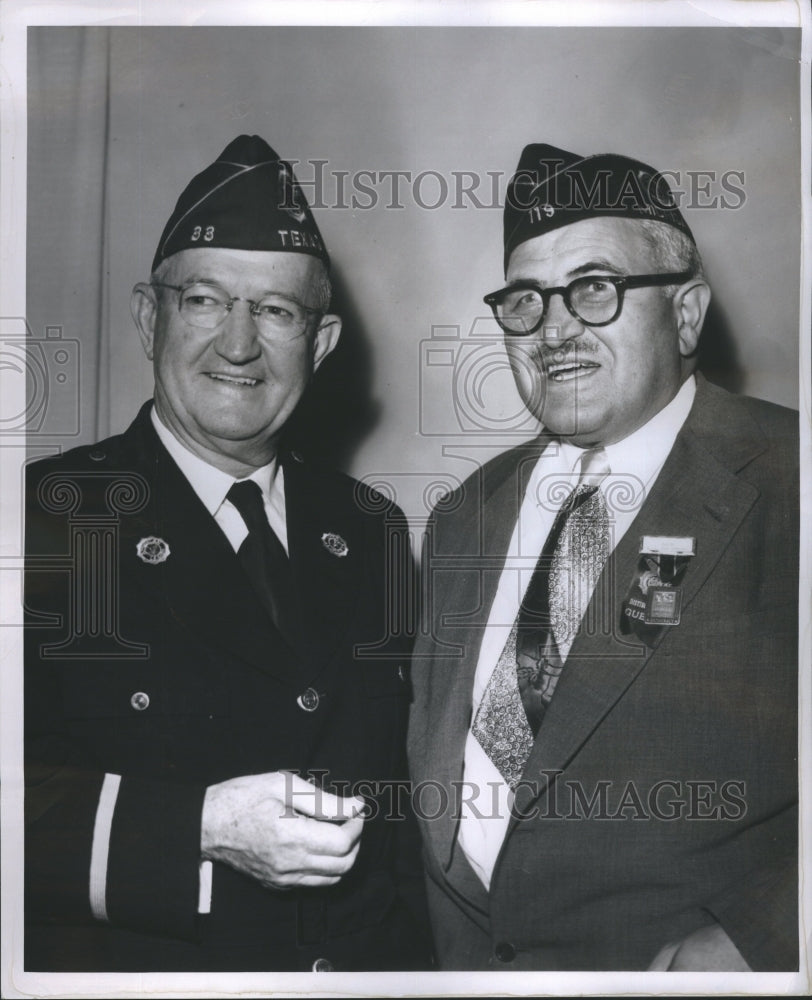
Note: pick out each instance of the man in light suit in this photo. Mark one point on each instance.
(212, 690)
(604, 721)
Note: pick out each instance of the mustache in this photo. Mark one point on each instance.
(567, 351)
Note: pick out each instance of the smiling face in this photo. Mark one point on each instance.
(227, 393)
(596, 385)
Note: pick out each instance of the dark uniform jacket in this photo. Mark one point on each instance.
(163, 669)
(660, 792)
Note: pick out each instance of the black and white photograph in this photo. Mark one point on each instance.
(405, 441)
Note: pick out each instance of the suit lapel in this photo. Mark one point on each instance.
(201, 581)
(475, 568)
(696, 494)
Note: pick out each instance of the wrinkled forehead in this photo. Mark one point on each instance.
(612, 245)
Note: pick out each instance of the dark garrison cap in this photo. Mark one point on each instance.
(248, 199)
(553, 188)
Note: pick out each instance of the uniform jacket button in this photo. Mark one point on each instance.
(97, 455)
(322, 965)
(297, 457)
(308, 700)
(140, 701)
(505, 951)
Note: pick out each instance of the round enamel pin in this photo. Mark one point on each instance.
(152, 550)
(334, 544)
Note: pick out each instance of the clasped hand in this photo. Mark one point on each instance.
(281, 830)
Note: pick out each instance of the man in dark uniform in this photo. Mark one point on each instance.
(607, 682)
(212, 687)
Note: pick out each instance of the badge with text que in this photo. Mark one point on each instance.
(654, 598)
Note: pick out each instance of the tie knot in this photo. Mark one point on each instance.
(247, 498)
(594, 467)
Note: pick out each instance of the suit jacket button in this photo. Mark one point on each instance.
(308, 700)
(505, 951)
(297, 457)
(140, 701)
(97, 455)
(323, 965)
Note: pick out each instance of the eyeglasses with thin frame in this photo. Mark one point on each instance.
(206, 305)
(596, 300)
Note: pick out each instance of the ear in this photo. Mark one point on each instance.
(327, 334)
(144, 309)
(690, 305)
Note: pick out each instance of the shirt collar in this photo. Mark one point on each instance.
(209, 483)
(643, 453)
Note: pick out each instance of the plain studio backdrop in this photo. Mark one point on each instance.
(407, 137)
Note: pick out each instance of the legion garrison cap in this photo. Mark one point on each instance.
(248, 199)
(553, 188)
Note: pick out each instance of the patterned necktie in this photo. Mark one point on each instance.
(524, 680)
(264, 559)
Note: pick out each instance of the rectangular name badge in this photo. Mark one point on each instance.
(654, 598)
(667, 545)
(663, 606)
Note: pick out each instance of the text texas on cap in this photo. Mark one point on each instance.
(553, 188)
(248, 199)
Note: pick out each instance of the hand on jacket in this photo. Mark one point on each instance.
(281, 830)
(707, 950)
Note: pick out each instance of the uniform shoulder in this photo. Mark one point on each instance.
(343, 490)
(84, 458)
(89, 481)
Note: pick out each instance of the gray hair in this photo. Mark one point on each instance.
(672, 250)
(323, 287)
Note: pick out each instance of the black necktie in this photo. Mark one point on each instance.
(264, 559)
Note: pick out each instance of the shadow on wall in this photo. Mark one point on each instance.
(338, 409)
(718, 354)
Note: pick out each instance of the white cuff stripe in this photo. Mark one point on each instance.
(100, 850)
(204, 892)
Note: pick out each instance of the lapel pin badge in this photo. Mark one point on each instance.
(152, 550)
(655, 596)
(334, 544)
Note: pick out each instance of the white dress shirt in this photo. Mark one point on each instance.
(211, 485)
(635, 463)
